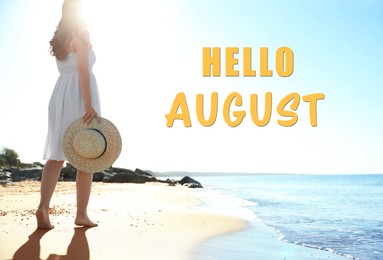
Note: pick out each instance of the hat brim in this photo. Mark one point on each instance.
(106, 160)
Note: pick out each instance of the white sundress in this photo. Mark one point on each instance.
(66, 103)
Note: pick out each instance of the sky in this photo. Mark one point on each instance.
(149, 51)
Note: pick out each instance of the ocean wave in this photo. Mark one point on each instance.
(215, 201)
(338, 214)
(324, 249)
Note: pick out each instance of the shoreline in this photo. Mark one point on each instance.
(255, 241)
(139, 221)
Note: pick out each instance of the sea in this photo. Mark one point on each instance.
(341, 214)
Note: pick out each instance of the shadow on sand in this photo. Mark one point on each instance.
(77, 249)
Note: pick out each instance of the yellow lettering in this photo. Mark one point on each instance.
(295, 98)
(213, 109)
(264, 60)
(247, 70)
(312, 99)
(238, 114)
(284, 61)
(179, 102)
(211, 60)
(254, 109)
(231, 61)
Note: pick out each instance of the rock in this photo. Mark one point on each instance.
(121, 175)
(98, 176)
(5, 175)
(124, 178)
(5, 182)
(68, 173)
(193, 185)
(190, 182)
(26, 174)
(38, 164)
(143, 173)
(121, 170)
(171, 182)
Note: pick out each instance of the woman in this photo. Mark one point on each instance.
(75, 95)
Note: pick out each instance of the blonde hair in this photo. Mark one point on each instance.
(71, 25)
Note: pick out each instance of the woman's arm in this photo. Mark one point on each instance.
(81, 48)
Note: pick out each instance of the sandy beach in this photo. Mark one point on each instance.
(136, 221)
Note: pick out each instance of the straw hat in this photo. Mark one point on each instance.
(94, 147)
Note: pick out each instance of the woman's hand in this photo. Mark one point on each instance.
(89, 115)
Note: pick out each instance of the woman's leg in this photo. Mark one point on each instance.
(49, 179)
(83, 186)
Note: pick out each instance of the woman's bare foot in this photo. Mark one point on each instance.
(43, 221)
(84, 221)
